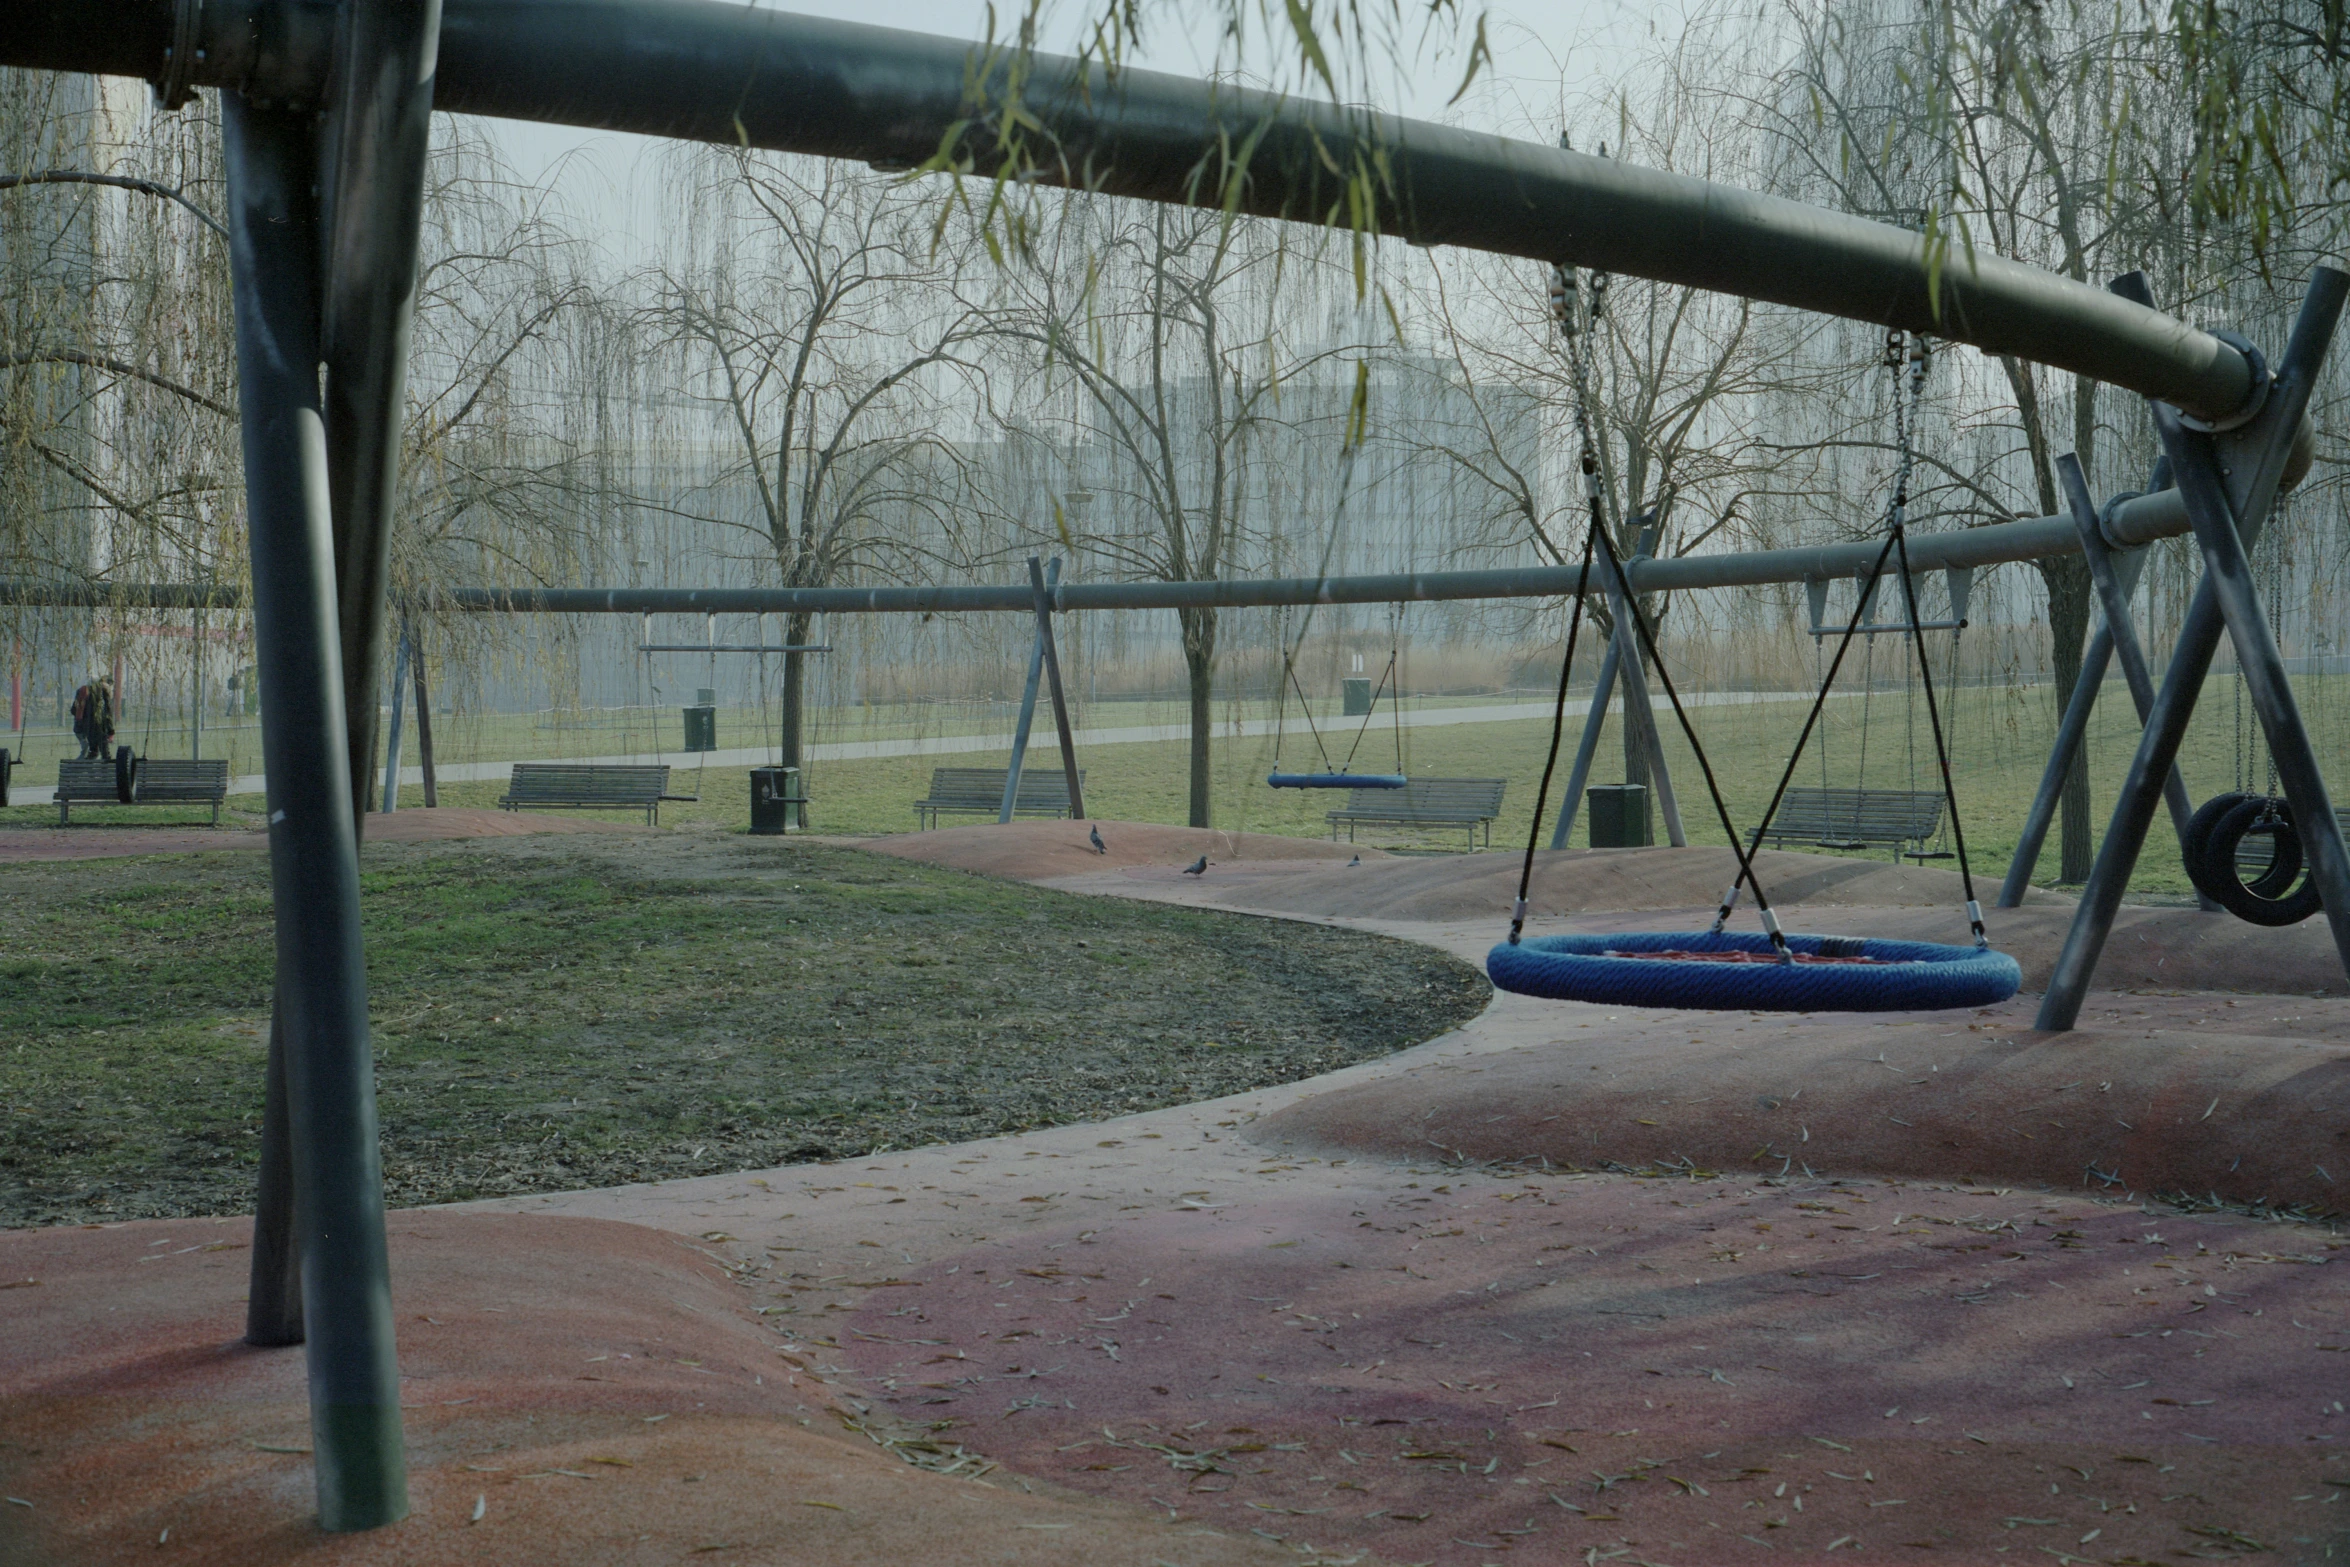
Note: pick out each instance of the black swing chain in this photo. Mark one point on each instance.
(1562, 296)
(1562, 309)
(1919, 359)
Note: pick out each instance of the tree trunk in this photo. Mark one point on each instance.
(792, 748)
(1199, 661)
(2067, 580)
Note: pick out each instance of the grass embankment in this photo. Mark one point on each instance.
(564, 1012)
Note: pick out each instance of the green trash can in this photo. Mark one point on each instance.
(1619, 816)
(701, 728)
(1354, 693)
(778, 804)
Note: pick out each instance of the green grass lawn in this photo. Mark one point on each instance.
(584, 1010)
(2000, 741)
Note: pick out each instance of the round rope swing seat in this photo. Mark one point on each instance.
(1341, 780)
(1739, 971)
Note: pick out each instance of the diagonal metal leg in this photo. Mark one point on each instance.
(1633, 672)
(2227, 566)
(329, 1076)
(1587, 748)
(2257, 456)
(2113, 594)
(1052, 681)
(376, 137)
(1052, 575)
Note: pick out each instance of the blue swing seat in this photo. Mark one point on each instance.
(1336, 780)
(1696, 970)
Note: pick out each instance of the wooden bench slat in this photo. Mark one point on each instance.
(979, 791)
(588, 786)
(1472, 803)
(155, 781)
(1855, 817)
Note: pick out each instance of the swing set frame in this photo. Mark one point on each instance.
(326, 115)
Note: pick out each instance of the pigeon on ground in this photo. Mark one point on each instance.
(1099, 847)
(1357, 860)
(1198, 867)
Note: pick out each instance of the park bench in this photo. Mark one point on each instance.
(589, 786)
(979, 791)
(154, 781)
(1854, 818)
(1471, 803)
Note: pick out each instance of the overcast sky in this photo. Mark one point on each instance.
(1537, 45)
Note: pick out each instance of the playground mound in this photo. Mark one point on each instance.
(575, 1391)
(1574, 881)
(2194, 1095)
(1050, 850)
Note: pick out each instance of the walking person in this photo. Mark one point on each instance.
(93, 718)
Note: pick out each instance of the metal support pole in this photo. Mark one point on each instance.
(321, 1001)
(2227, 565)
(392, 741)
(2113, 595)
(432, 789)
(2113, 604)
(1052, 675)
(375, 138)
(1639, 714)
(2233, 484)
(2095, 659)
(1587, 748)
(196, 687)
(1052, 576)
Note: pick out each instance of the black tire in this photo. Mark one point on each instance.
(126, 776)
(2193, 842)
(2285, 854)
(2249, 903)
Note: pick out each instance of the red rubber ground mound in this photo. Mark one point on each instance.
(1692, 1371)
(597, 1393)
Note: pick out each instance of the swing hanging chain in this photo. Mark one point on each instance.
(1562, 305)
(1897, 509)
(1664, 677)
(1558, 727)
(1365, 727)
(1562, 295)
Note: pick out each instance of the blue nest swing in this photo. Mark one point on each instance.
(1742, 971)
(1337, 780)
(1768, 971)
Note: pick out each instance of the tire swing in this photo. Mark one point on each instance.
(1720, 970)
(2219, 854)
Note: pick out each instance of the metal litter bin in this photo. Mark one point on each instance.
(1619, 816)
(778, 804)
(1354, 694)
(701, 724)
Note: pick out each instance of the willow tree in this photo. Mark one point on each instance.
(1159, 345)
(810, 309)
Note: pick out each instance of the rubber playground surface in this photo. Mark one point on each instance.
(1571, 1283)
